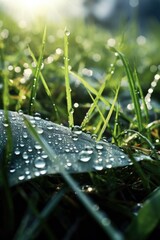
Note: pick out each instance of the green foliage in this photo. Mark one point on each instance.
(89, 68)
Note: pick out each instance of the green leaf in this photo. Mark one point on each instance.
(134, 90)
(147, 218)
(73, 150)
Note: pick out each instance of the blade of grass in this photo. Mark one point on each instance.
(116, 130)
(147, 219)
(45, 85)
(26, 233)
(142, 96)
(147, 141)
(36, 75)
(109, 115)
(67, 81)
(89, 87)
(95, 102)
(90, 111)
(100, 217)
(133, 89)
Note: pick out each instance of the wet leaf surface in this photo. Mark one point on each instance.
(74, 150)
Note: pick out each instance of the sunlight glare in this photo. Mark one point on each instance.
(31, 9)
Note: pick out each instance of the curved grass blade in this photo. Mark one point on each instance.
(109, 115)
(90, 111)
(45, 85)
(89, 87)
(36, 75)
(142, 96)
(147, 141)
(95, 101)
(67, 81)
(133, 89)
(147, 218)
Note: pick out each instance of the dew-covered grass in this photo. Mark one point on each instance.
(99, 82)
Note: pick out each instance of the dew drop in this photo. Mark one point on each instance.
(106, 221)
(25, 155)
(136, 208)
(84, 156)
(37, 116)
(43, 172)
(98, 167)
(67, 33)
(89, 149)
(49, 127)
(5, 124)
(25, 135)
(22, 177)
(27, 171)
(108, 165)
(44, 155)
(17, 151)
(37, 146)
(39, 163)
(30, 149)
(12, 170)
(77, 130)
(94, 136)
(20, 112)
(74, 137)
(39, 130)
(99, 146)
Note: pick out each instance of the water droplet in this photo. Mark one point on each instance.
(37, 146)
(89, 149)
(43, 172)
(30, 149)
(12, 170)
(105, 221)
(98, 167)
(25, 135)
(74, 137)
(37, 173)
(39, 130)
(67, 150)
(49, 127)
(27, 172)
(25, 155)
(44, 155)
(84, 156)
(37, 116)
(99, 146)
(5, 124)
(59, 138)
(17, 151)
(94, 136)
(77, 130)
(39, 163)
(22, 177)
(67, 33)
(87, 188)
(20, 112)
(108, 165)
(136, 208)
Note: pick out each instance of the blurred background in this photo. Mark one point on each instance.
(111, 14)
(131, 26)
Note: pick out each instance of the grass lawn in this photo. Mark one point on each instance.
(103, 87)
